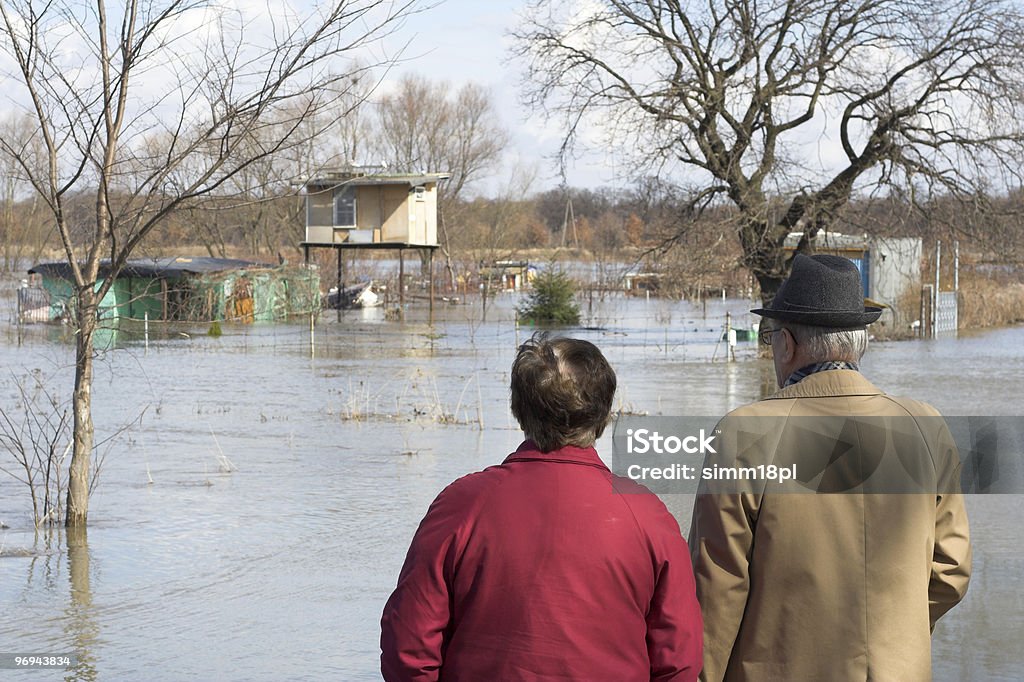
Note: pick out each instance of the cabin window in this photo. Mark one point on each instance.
(345, 207)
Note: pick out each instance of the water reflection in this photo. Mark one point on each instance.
(80, 623)
(41, 568)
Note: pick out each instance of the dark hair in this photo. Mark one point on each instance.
(562, 391)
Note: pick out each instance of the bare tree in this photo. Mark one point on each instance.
(426, 126)
(36, 434)
(146, 106)
(913, 98)
(495, 226)
(263, 210)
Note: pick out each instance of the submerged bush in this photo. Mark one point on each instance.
(551, 301)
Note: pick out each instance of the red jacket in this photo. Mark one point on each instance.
(537, 570)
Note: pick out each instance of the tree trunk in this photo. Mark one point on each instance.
(769, 283)
(78, 481)
(764, 255)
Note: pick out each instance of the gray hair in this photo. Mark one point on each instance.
(824, 344)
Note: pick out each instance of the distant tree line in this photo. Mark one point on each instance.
(422, 125)
(650, 224)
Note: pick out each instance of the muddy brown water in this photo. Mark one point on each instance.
(254, 525)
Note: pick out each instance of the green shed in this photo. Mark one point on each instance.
(192, 289)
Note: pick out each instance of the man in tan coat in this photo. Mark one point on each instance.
(846, 584)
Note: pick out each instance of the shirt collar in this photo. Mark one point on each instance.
(569, 454)
(828, 385)
(805, 372)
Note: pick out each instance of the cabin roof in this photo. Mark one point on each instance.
(344, 178)
(155, 268)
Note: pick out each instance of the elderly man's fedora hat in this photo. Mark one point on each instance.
(822, 291)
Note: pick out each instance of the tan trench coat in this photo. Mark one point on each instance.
(830, 586)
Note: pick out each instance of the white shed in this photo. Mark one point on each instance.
(355, 207)
(890, 268)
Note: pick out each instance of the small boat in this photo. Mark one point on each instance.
(359, 295)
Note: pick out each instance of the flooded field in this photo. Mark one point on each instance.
(254, 524)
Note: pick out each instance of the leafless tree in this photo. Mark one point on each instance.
(918, 99)
(424, 125)
(146, 106)
(36, 433)
(495, 227)
(260, 207)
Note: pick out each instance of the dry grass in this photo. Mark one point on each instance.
(419, 401)
(984, 302)
(990, 303)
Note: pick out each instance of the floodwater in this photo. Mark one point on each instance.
(254, 524)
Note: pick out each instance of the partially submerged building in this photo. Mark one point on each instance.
(359, 208)
(508, 275)
(890, 268)
(353, 207)
(187, 289)
(637, 281)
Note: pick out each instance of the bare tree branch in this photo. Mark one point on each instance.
(920, 95)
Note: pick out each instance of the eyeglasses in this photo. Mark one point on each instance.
(765, 335)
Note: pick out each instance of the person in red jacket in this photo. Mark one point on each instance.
(541, 568)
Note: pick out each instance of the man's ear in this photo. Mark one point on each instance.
(788, 345)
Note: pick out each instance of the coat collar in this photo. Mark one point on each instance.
(829, 384)
(570, 454)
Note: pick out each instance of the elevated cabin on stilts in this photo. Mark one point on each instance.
(358, 209)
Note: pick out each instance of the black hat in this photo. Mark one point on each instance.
(822, 291)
